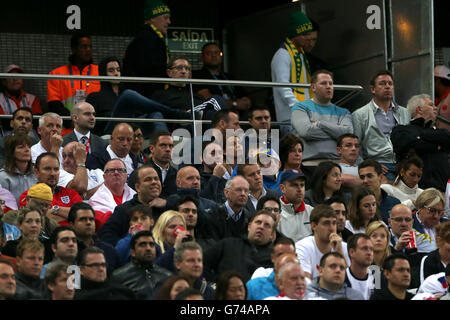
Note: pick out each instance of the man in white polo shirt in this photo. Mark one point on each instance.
(50, 129)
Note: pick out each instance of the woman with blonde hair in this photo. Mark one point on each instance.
(381, 238)
(163, 231)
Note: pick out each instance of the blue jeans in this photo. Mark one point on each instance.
(132, 104)
(392, 172)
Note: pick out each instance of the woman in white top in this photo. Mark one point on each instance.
(362, 211)
(406, 185)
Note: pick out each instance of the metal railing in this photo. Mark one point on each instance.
(354, 89)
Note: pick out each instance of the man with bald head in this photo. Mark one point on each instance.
(119, 148)
(83, 118)
(231, 219)
(75, 175)
(148, 188)
(114, 190)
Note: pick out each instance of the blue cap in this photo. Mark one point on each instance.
(290, 175)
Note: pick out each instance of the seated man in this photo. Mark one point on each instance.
(83, 119)
(244, 254)
(319, 122)
(14, 97)
(47, 171)
(114, 191)
(324, 239)
(30, 258)
(50, 130)
(231, 219)
(56, 278)
(62, 95)
(330, 284)
(141, 274)
(7, 280)
(75, 175)
(340, 209)
(119, 148)
(212, 172)
(291, 282)
(348, 149)
(295, 214)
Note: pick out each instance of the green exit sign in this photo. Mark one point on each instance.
(188, 40)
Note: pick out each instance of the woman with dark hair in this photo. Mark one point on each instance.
(325, 183)
(406, 186)
(172, 286)
(17, 173)
(362, 211)
(230, 285)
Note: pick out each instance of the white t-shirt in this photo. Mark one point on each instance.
(309, 255)
(434, 284)
(127, 160)
(37, 149)
(95, 178)
(365, 286)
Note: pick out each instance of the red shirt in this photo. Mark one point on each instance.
(300, 209)
(118, 199)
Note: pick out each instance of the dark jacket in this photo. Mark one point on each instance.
(431, 264)
(212, 187)
(99, 158)
(140, 278)
(111, 256)
(386, 205)
(107, 290)
(169, 186)
(28, 288)
(206, 206)
(236, 254)
(145, 56)
(116, 227)
(103, 102)
(223, 226)
(97, 147)
(424, 140)
(249, 206)
(385, 294)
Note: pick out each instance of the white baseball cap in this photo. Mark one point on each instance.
(442, 72)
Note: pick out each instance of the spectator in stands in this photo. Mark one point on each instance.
(30, 258)
(436, 260)
(114, 191)
(315, 62)
(295, 213)
(138, 141)
(330, 284)
(244, 254)
(75, 175)
(164, 230)
(172, 286)
(235, 97)
(141, 274)
(362, 211)
(348, 149)
(291, 155)
(290, 280)
(141, 219)
(371, 173)
(94, 283)
(7, 280)
(374, 122)
(324, 239)
(430, 212)
(259, 119)
(262, 287)
(289, 64)
(17, 174)
(56, 279)
(406, 186)
(380, 237)
(232, 218)
(50, 130)
(47, 171)
(83, 118)
(62, 95)
(230, 285)
(189, 294)
(31, 225)
(339, 206)
(442, 90)
(319, 122)
(82, 219)
(64, 247)
(326, 183)
(252, 173)
(432, 146)
(147, 55)
(104, 100)
(119, 148)
(148, 188)
(361, 253)
(213, 172)
(396, 269)
(14, 97)
(188, 259)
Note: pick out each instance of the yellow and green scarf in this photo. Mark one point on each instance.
(297, 75)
